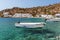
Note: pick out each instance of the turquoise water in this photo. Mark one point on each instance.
(8, 31)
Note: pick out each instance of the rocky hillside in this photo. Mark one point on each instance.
(50, 9)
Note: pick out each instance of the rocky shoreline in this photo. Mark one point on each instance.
(31, 12)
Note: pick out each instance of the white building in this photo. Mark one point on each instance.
(9, 15)
(5, 14)
(26, 15)
(47, 16)
(16, 15)
(22, 15)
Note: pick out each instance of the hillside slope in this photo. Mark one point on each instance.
(50, 9)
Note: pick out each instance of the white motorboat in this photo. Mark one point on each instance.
(30, 25)
(54, 19)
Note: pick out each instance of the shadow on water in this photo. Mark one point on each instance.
(41, 31)
(46, 32)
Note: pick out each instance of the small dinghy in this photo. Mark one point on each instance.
(30, 25)
(54, 19)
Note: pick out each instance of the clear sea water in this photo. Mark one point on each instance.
(8, 31)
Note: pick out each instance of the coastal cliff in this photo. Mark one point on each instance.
(50, 10)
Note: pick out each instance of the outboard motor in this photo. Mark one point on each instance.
(45, 20)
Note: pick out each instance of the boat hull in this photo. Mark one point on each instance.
(30, 25)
